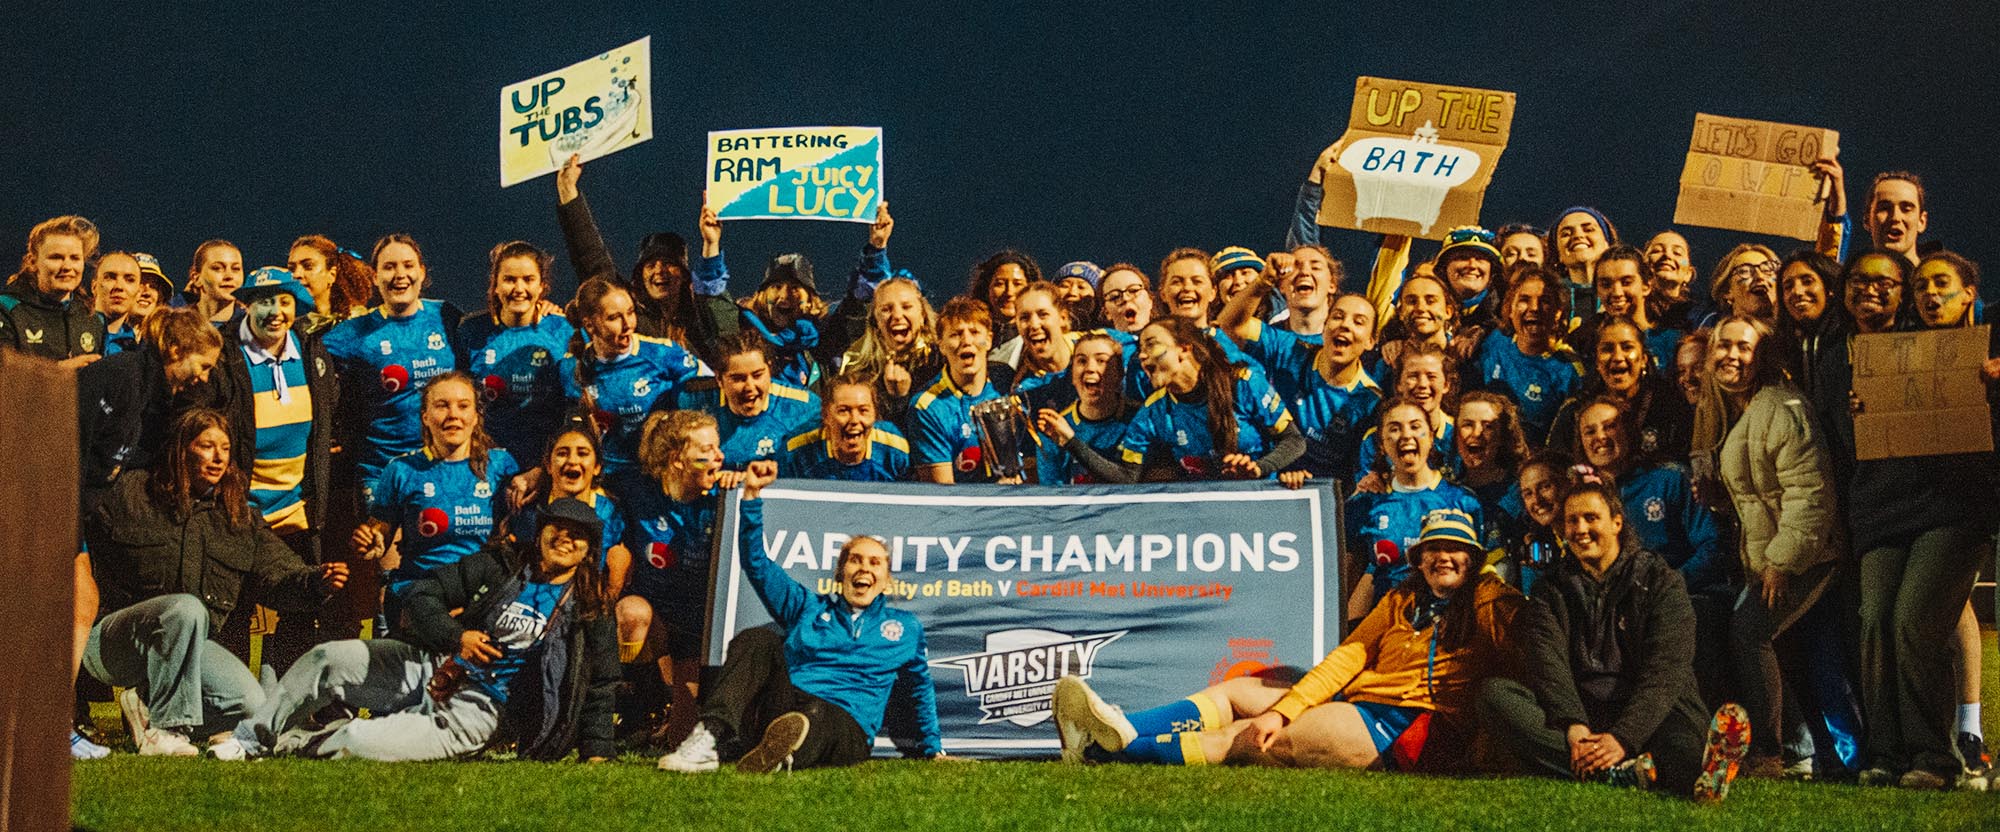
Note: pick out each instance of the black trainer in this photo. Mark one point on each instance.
(781, 738)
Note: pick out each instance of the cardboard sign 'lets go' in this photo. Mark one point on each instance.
(1416, 158)
(1754, 176)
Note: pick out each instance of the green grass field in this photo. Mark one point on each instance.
(127, 792)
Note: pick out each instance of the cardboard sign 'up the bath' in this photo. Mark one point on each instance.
(1754, 176)
(1416, 158)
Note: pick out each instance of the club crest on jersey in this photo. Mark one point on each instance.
(538, 358)
(436, 341)
(482, 491)
(1656, 510)
(892, 630)
(1014, 678)
(1533, 393)
(641, 386)
(766, 447)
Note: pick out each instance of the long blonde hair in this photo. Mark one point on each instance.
(870, 355)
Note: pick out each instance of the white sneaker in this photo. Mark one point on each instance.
(230, 749)
(138, 719)
(163, 743)
(1082, 716)
(694, 754)
(81, 748)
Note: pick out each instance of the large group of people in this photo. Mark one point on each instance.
(1606, 522)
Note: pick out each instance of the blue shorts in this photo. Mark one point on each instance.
(1386, 722)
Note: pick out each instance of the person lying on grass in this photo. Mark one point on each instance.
(812, 689)
(1394, 695)
(532, 656)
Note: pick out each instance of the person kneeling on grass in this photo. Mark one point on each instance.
(533, 657)
(829, 669)
(1395, 695)
(1609, 643)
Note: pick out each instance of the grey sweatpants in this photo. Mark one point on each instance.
(191, 685)
(387, 677)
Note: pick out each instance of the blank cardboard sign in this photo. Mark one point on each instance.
(1416, 158)
(1755, 176)
(1921, 394)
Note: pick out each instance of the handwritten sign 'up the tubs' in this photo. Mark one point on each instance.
(593, 108)
(1753, 176)
(796, 173)
(1416, 158)
(1921, 393)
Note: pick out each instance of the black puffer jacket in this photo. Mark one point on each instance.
(1616, 653)
(571, 706)
(140, 551)
(125, 413)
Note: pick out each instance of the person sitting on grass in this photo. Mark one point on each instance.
(1609, 653)
(827, 670)
(532, 648)
(1396, 694)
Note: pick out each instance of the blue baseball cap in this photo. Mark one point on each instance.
(271, 280)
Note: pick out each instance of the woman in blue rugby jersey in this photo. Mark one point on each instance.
(1083, 437)
(443, 501)
(669, 528)
(755, 414)
(620, 376)
(1207, 418)
(1531, 364)
(514, 349)
(1382, 526)
(572, 468)
(385, 358)
(848, 442)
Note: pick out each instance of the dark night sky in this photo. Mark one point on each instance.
(1072, 131)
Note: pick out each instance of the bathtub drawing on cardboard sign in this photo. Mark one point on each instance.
(1406, 179)
(620, 104)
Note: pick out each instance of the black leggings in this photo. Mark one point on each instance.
(754, 687)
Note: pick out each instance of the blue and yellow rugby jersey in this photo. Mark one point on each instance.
(520, 378)
(1332, 417)
(1167, 425)
(943, 432)
(1139, 387)
(809, 456)
(788, 411)
(284, 434)
(1055, 466)
(1381, 528)
(1538, 383)
(627, 389)
(384, 364)
(442, 509)
(1285, 356)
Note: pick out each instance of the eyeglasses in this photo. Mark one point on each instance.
(1873, 284)
(1744, 271)
(1123, 294)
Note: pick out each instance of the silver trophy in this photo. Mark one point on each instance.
(1002, 428)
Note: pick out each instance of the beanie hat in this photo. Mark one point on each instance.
(1234, 257)
(791, 268)
(1084, 270)
(663, 245)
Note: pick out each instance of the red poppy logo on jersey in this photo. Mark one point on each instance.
(493, 387)
(1386, 553)
(433, 522)
(395, 378)
(660, 555)
(968, 459)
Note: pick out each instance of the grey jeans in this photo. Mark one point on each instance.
(387, 677)
(192, 685)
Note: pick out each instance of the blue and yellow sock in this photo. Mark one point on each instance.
(1195, 713)
(1182, 748)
